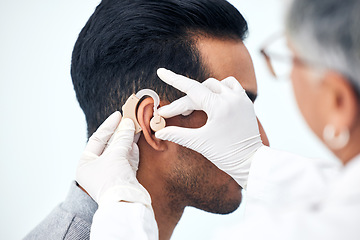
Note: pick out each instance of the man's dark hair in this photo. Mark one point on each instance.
(125, 41)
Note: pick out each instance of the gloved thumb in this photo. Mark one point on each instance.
(182, 106)
(179, 135)
(232, 83)
(124, 134)
(99, 139)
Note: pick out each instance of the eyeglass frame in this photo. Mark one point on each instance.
(266, 55)
(294, 59)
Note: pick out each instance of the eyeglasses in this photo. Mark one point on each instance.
(279, 59)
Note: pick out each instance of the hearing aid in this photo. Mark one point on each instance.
(130, 107)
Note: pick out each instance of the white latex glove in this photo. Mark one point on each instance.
(104, 171)
(231, 134)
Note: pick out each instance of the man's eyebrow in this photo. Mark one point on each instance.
(251, 95)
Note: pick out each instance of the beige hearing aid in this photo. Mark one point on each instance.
(130, 107)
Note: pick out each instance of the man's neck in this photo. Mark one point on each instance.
(167, 212)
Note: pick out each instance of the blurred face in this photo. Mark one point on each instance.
(326, 98)
(192, 178)
(310, 94)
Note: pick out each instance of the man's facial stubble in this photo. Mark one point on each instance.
(195, 181)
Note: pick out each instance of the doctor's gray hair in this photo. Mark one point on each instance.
(326, 33)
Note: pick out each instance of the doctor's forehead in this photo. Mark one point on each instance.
(227, 57)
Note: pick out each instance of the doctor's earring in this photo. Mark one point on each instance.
(335, 142)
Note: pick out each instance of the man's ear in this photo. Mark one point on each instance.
(145, 113)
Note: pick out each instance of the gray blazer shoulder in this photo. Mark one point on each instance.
(71, 220)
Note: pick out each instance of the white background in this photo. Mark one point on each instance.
(43, 130)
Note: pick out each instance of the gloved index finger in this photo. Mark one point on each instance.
(196, 91)
(97, 142)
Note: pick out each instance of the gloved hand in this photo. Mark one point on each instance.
(104, 171)
(231, 134)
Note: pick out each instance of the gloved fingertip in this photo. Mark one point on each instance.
(162, 72)
(112, 121)
(159, 134)
(115, 115)
(165, 75)
(163, 110)
(213, 84)
(165, 133)
(187, 113)
(181, 106)
(232, 83)
(126, 123)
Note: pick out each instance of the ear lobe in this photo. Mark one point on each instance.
(144, 115)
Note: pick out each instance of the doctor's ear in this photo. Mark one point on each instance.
(148, 122)
(343, 101)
